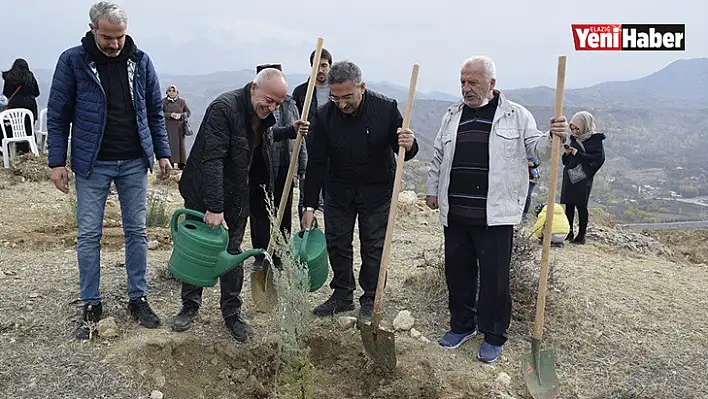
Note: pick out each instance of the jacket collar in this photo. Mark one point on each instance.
(248, 106)
(504, 104)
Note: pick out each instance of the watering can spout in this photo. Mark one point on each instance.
(228, 261)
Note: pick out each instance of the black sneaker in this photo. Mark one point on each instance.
(185, 317)
(92, 314)
(333, 305)
(140, 310)
(366, 310)
(570, 236)
(238, 328)
(578, 240)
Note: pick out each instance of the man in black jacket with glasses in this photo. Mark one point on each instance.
(358, 133)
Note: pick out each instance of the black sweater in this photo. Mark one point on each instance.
(361, 148)
(120, 137)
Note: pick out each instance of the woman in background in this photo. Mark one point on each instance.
(176, 112)
(581, 160)
(21, 90)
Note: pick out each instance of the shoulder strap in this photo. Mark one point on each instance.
(13, 93)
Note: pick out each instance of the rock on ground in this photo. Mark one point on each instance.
(404, 321)
(107, 328)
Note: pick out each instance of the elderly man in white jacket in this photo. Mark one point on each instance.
(479, 179)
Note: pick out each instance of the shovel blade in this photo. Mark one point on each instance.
(380, 345)
(540, 372)
(263, 292)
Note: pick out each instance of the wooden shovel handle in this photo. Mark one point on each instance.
(400, 160)
(543, 278)
(298, 142)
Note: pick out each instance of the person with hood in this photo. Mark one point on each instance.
(21, 90)
(176, 113)
(560, 227)
(107, 90)
(583, 158)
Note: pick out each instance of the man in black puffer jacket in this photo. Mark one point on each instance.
(358, 133)
(225, 171)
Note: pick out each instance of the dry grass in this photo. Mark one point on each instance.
(621, 327)
(690, 244)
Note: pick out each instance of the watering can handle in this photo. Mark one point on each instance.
(197, 214)
(303, 244)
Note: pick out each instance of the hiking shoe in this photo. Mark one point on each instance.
(185, 317)
(140, 310)
(240, 330)
(489, 353)
(333, 305)
(570, 236)
(451, 340)
(366, 310)
(92, 314)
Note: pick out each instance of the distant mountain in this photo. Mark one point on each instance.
(683, 83)
(655, 121)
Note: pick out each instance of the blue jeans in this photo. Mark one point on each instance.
(528, 197)
(131, 181)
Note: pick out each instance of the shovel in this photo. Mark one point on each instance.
(540, 366)
(379, 343)
(263, 290)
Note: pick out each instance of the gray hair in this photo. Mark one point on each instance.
(267, 74)
(343, 71)
(490, 70)
(108, 11)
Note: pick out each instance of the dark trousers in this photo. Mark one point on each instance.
(465, 246)
(231, 282)
(528, 197)
(259, 220)
(582, 216)
(341, 213)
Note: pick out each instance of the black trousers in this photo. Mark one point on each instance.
(342, 209)
(260, 219)
(490, 247)
(582, 216)
(231, 282)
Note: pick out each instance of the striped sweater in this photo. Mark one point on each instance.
(470, 166)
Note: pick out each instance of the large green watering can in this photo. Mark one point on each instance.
(199, 255)
(310, 250)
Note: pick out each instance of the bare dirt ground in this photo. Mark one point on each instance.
(622, 324)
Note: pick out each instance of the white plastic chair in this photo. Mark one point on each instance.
(19, 134)
(42, 131)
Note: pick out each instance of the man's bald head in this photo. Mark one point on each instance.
(268, 90)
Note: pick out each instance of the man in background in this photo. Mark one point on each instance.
(320, 98)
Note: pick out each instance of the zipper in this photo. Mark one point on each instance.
(103, 116)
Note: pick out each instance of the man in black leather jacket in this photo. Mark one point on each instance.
(358, 133)
(228, 165)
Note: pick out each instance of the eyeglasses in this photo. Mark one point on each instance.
(342, 99)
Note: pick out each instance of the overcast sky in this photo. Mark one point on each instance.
(385, 37)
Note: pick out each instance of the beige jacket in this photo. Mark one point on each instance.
(514, 135)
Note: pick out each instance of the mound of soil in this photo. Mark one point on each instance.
(185, 366)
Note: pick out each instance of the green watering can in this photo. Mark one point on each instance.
(199, 255)
(310, 249)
